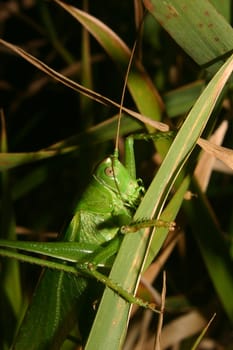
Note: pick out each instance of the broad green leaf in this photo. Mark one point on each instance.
(223, 7)
(210, 36)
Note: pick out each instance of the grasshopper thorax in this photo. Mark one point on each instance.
(114, 175)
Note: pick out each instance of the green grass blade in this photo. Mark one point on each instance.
(10, 284)
(169, 214)
(66, 251)
(209, 37)
(223, 7)
(104, 131)
(180, 101)
(113, 312)
(201, 336)
(48, 24)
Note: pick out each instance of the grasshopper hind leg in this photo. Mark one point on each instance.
(90, 270)
(136, 226)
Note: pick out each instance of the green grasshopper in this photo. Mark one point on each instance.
(90, 241)
(96, 221)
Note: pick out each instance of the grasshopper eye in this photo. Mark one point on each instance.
(109, 171)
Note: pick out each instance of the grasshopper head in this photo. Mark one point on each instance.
(113, 175)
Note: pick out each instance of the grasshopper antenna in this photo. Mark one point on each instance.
(122, 98)
(116, 151)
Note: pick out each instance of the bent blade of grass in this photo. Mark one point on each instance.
(80, 88)
(111, 321)
(143, 91)
(224, 154)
